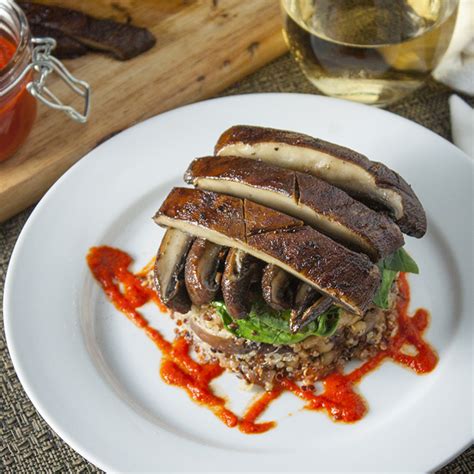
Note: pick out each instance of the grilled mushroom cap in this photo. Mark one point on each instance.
(363, 179)
(201, 273)
(169, 270)
(273, 237)
(121, 40)
(242, 270)
(278, 287)
(319, 204)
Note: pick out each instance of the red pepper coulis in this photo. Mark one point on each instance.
(339, 398)
(17, 107)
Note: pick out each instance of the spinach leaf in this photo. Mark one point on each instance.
(400, 261)
(267, 325)
(381, 297)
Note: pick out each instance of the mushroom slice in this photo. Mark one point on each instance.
(306, 197)
(121, 40)
(201, 272)
(348, 277)
(242, 270)
(277, 287)
(305, 296)
(309, 305)
(372, 182)
(169, 270)
(220, 340)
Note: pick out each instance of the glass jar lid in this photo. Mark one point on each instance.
(35, 54)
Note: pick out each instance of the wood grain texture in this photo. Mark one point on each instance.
(203, 46)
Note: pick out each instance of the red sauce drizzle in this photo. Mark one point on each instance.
(7, 50)
(17, 108)
(339, 398)
(127, 292)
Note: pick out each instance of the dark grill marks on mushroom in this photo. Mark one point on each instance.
(347, 277)
(278, 215)
(66, 47)
(306, 197)
(340, 166)
(120, 40)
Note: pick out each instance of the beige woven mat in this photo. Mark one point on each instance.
(27, 443)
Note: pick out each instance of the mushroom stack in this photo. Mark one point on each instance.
(280, 217)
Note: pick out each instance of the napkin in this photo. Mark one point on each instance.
(462, 124)
(456, 69)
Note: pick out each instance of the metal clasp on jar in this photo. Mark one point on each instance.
(44, 64)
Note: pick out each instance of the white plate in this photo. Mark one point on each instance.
(93, 376)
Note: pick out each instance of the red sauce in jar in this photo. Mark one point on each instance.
(339, 399)
(17, 107)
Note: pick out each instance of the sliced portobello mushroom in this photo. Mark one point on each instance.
(309, 304)
(242, 270)
(319, 204)
(221, 340)
(278, 287)
(203, 271)
(121, 40)
(348, 277)
(169, 270)
(305, 296)
(369, 181)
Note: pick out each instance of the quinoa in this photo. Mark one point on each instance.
(357, 337)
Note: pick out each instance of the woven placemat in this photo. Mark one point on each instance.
(27, 442)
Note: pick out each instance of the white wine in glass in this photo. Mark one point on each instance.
(370, 51)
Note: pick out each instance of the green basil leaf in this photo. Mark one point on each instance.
(381, 297)
(267, 325)
(400, 261)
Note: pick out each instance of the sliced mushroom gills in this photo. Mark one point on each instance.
(190, 270)
(203, 271)
(242, 273)
(308, 306)
(278, 287)
(349, 278)
(169, 270)
(305, 296)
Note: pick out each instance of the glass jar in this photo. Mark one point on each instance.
(17, 106)
(25, 63)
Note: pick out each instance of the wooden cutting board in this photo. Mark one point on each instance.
(202, 47)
